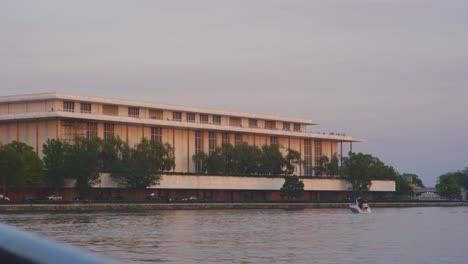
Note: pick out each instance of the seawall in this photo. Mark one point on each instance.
(125, 207)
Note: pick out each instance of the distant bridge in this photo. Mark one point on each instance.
(426, 194)
(420, 190)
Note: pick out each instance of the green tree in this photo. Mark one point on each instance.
(333, 166)
(113, 150)
(83, 163)
(145, 164)
(448, 186)
(402, 186)
(33, 166)
(414, 179)
(292, 159)
(322, 167)
(293, 187)
(360, 169)
(246, 159)
(271, 160)
(55, 152)
(11, 168)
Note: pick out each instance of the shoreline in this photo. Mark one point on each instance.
(125, 207)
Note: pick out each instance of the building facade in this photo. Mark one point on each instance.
(34, 118)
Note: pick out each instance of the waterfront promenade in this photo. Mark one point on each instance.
(97, 207)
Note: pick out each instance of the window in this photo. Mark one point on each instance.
(297, 127)
(317, 152)
(270, 124)
(86, 108)
(177, 116)
(134, 112)
(253, 123)
(198, 149)
(211, 142)
(191, 117)
(68, 106)
(108, 131)
(68, 131)
(217, 120)
(273, 140)
(237, 139)
(286, 126)
(308, 167)
(204, 118)
(225, 138)
(156, 134)
(91, 130)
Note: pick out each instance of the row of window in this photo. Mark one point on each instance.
(177, 116)
(69, 106)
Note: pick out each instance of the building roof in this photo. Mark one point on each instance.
(106, 100)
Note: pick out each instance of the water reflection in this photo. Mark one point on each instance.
(409, 235)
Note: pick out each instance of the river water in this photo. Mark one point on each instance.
(406, 235)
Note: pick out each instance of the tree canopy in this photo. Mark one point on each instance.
(448, 185)
(20, 166)
(143, 165)
(244, 159)
(293, 187)
(55, 152)
(360, 169)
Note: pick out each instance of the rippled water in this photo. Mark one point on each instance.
(408, 235)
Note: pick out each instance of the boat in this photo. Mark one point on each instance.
(360, 207)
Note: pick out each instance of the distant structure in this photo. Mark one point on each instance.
(34, 118)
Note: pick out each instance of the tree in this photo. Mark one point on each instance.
(360, 169)
(333, 166)
(322, 167)
(448, 186)
(55, 152)
(292, 159)
(33, 171)
(271, 160)
(145, 164)
(113, 150)
(402, 186)
(414, 179)
(83, 163)
(293, 187)
(11, 168)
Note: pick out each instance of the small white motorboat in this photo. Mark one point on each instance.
(360, 207)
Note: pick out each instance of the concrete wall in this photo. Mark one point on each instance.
(33, 133)
(198, 182)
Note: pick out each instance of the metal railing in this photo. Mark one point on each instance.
(20, 247)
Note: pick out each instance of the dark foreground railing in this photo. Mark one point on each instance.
(20, 247)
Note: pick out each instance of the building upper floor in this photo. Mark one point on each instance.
(46, 105)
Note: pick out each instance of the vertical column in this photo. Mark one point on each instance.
(300, 152)
(173, 146)
(57, 128)
(351, 147)
(17, 130)
(126, 132)
(341, 153)
(37, 136)
(188, 150)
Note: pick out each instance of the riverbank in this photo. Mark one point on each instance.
(122, 207)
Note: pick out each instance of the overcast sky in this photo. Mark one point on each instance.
(394, 73)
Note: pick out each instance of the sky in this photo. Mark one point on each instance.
(391, 72)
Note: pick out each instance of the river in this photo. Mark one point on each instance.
(390, 235)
